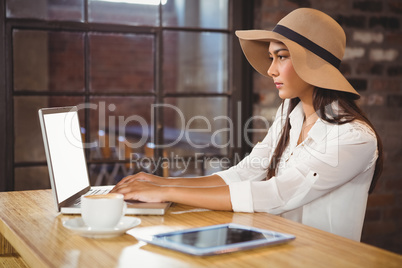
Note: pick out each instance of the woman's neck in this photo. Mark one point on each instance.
(310, 117)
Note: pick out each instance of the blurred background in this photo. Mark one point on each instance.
(166, 80)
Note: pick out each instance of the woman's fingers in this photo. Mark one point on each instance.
(130, 178)
(139, 190)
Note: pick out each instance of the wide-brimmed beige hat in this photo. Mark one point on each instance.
(316, 43)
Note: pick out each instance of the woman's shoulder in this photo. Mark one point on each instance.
(357, 130)
(363, 127)
(360, 133)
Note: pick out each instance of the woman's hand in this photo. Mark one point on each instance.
(141, 190)
(142, 176)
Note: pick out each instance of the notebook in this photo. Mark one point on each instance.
(67, 165)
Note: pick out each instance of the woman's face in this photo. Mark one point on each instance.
(286, 80)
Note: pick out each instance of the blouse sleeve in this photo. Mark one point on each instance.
(343, 154)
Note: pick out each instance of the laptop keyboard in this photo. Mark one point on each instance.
(92, 192)
(97, 191)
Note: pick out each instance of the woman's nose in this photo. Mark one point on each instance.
(272, 70)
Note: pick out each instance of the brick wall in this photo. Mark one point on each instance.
(373, 64)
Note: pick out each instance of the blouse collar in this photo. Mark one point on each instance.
(318, 132)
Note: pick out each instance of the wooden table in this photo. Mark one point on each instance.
(30, 226)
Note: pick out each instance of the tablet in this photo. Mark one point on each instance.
(217, 239)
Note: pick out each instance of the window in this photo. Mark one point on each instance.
(158, 85)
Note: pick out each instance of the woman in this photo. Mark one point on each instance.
(320, 158)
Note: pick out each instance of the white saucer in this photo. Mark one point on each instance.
(77, 225)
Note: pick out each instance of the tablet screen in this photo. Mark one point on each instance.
(216, 237)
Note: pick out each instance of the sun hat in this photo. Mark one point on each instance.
(316, 44)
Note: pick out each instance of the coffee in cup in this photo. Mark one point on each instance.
(102, 211)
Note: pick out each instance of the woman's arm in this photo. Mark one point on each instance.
(205, 181)
(215, 197)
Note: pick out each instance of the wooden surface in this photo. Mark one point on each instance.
(12, 261)
(29, 222)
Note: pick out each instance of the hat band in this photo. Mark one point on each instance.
(308, 44)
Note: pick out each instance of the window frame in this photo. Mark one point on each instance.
(239, 93)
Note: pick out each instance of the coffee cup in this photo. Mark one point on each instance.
(102, 211)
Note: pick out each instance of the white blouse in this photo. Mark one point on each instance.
(323, 182)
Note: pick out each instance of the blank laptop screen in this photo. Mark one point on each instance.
(66, 153)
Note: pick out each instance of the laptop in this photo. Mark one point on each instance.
(67, 165)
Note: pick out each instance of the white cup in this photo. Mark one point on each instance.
(102, 211)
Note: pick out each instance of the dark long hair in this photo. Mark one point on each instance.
(349, 111)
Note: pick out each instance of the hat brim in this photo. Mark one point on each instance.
(310, 67)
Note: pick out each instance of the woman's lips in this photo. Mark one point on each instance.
(278, 85)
